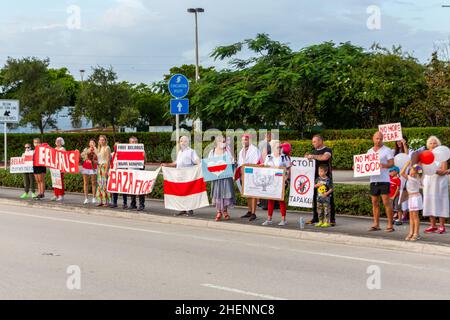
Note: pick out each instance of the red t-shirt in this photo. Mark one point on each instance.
(395, 184)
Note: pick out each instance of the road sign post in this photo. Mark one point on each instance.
(178, 88)
(9, 113)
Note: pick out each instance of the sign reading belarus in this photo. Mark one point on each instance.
(302, 182)
(178, 86)
(366, 165)
(9, 111)
(217, 168)
(136, 182)
(22, 164)
(56, 178)
(64, 161)
(130, 156)
(391, 132)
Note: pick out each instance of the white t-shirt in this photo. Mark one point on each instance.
(281, 161)
(252, 156)
(187, 158)
(386, 154)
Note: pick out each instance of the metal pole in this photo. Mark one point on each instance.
(197, 62)
(177, 134)
(6, 147)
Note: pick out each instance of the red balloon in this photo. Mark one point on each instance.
(426, 157)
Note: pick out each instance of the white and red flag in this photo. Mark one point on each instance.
(184, 188)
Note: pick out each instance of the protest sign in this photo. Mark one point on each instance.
(22, 164)
(56, 178)
(130, 156)
(135, 182)
(366, 165)
(263, 182)
(302, 182)
(217, 168)
(64, 161)
(391, 132)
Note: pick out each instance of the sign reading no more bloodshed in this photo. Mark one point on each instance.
(391, 132)
(366, 165)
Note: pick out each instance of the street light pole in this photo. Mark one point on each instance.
(196, 11)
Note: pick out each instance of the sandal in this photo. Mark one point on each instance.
(389, 230)
(218, 216)
(409, 237)
(374, 229)
(415, 237)
(226, 216)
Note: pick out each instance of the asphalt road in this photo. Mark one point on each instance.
(127, 259)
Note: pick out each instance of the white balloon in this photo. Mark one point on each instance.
(400, 160)
(430, 169)
(441, 153)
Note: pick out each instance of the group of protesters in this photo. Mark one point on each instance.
(401, 190)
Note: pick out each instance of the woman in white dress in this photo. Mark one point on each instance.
(435, 193)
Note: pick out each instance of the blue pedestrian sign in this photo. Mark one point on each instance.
(179, 106)
(179, 86)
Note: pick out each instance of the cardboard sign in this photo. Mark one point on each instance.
(217, 168)
(391, 132)
(64, 161)
(302, 182)
(130, 156)
(366, 165)
(56, 178)
(136, 182)
(22, 164)
(263, 182)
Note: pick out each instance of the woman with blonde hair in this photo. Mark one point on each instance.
(103, 157)
(89, 169)
(435, 193)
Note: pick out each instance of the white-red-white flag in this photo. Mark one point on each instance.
(184, 188)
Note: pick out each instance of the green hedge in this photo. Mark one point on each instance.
(350, 199)
(443, 133)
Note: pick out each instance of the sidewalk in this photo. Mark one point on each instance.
(349, 229)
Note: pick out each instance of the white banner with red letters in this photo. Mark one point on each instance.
(391, 132)
(22, 164)
(366, 165)
(135, 182)
(56, 178)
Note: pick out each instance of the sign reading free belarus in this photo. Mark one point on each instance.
(130, 156)
(366, 165)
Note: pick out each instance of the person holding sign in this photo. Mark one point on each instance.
(186, 157)
(277, 159)
(222, 190)
(28, 178)
(39, 173)
(380, 185)
(59, 193)
(134, 140)
(249, 154)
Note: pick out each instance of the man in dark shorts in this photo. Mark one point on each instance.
(323, 156)
(380, 185)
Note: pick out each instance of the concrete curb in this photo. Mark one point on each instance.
(414, 247)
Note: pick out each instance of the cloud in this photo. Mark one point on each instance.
(127, 14)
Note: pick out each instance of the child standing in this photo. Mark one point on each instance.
(324, 187)
(415, 202)
(395, 192)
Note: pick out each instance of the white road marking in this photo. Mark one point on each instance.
(248, 293)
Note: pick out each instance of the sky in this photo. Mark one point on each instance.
(143, 39)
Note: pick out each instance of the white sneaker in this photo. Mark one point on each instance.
(283, 223)
(86, 201)
(93, 200)
(60, 198)
(53, 198)
(267, 223)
